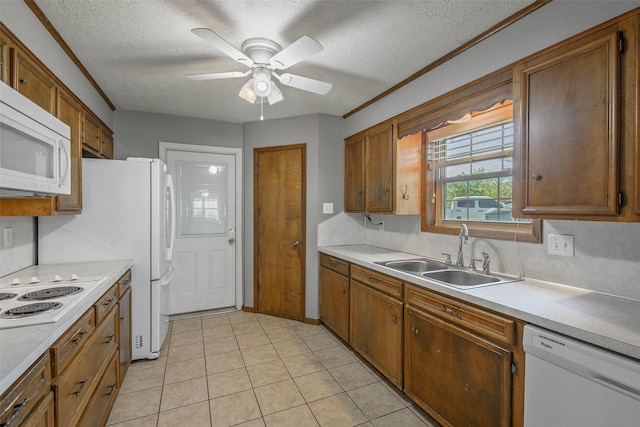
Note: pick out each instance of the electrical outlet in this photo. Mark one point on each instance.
(327, 208)
(560, 245)
(7, 237)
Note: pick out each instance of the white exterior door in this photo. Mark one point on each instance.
(204, 256)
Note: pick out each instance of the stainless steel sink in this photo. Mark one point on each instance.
(461, 278)
(415, 265)
(445, 274)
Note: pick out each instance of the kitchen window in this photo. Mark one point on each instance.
(469, 176)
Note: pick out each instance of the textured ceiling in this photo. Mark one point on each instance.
(140, 50)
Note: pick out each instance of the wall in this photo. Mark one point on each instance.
(137, 134)
(607, 255)
(323, 136)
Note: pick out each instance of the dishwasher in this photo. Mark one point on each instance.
(569, 384)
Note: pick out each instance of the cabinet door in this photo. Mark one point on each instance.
(70, 112)
(34, 83)
(569, 126)
(107, 143)
(354, 174)
(91, 132)
(124, 326)
(459, 378)
(379, 174)
(376, 330)
(334, 302)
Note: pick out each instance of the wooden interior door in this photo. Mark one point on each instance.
(279, 230)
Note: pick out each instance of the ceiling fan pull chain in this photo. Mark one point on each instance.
(261, 108)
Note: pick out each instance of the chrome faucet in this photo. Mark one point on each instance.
(464, 238)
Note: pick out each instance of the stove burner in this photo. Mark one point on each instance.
(7, 295)
(30, 310)
(49, 293)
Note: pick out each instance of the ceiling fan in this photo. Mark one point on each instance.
(264, 57)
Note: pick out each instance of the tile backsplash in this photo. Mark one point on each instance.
(607, 254)
(21, 253)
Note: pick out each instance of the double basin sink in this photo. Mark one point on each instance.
(446, 274)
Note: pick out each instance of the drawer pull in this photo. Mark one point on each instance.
(78, 337)
(449, 310)
(111, 388)
(372, 279)
(17, 408)
(109, 339)
(108, 302)
(332, 263)
(79, 390)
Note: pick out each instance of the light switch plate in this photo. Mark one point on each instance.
(561, 245)
(327, 208)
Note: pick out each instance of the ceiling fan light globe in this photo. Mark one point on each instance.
(262, 82)
(247, 92)
(276, 94)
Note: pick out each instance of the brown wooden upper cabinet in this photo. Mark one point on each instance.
(32, 81)
(574, 107)
(21, 70)
(382, 174)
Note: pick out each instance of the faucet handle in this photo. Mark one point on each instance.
(448, 260)
(485, 263)
(472, 264)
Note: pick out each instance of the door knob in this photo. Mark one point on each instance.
(232, 241)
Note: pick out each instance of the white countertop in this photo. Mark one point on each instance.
(21, 347)
(604, 320)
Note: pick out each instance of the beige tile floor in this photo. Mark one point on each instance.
(245, 369)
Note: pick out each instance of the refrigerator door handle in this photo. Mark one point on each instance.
(172, 201)
(167, 277)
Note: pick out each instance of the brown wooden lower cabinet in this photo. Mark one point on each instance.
(456, 376)
(99, 406)
(77, 380)
(334, 302)
(376, 330)
(460, 362)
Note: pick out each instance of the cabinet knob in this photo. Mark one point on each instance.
(386, 190)
(414, 331)
(536, 177)
(394, 318)
(23, 81)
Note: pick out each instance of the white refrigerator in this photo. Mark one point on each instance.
(128, 211)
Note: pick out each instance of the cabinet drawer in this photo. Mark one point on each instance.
(386, 284)
(124, 283)
(470, 317)
(334, 264)
(69, 344)
(102, 342)
(97, 411)
(22, 398)
(74, 388)
(106, 303)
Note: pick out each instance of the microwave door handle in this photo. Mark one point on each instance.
(67, 170)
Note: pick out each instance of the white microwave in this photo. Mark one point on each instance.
(35, 156)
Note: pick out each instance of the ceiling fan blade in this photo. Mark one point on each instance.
(218, 76)
(297, 51)
(222, 45)
(304, 83)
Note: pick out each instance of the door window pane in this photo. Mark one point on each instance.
(202, 199)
